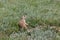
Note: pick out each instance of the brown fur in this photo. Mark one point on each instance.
(22, 23)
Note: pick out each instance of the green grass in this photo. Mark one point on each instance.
(39, 12)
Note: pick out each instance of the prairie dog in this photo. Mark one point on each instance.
(22, 23)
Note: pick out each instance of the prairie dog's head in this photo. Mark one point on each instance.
(24, 17)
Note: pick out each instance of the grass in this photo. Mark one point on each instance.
(39, 12)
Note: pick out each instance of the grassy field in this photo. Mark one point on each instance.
(39, 13)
